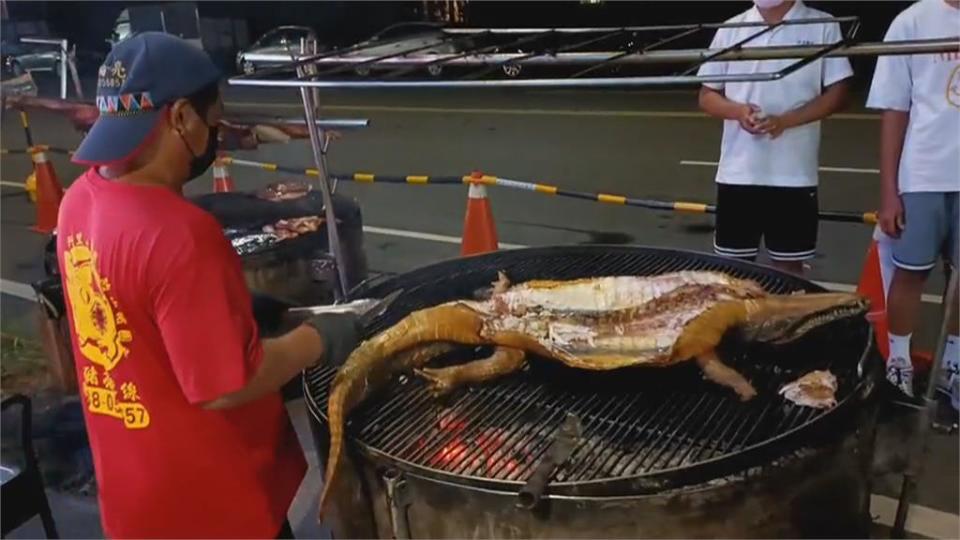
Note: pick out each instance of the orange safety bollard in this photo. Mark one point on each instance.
(479, 229)
(49, 192)
(222, 181)
(875, 278)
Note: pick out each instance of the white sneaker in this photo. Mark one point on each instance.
(900, 374)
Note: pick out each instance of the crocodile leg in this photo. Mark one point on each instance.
(720, 373)
(503, 361)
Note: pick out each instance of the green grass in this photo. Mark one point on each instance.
(23, 366)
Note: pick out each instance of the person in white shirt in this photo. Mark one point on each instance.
(767, 177)
(919, 171)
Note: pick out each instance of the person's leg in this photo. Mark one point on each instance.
(737, 231)
(951, 354)
(915, 253)
(790, 235)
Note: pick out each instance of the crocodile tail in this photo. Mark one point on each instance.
(372, 364)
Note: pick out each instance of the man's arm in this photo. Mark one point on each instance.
(283, 358)
(893, 131)
(714, 103)
(327, 338)
(833, 99)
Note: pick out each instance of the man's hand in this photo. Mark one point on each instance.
(773, 125)
(340, 333)
(890, 215)
(747, 117)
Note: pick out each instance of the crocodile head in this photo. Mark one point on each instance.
(782, 319)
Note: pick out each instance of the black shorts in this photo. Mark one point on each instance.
(784, 217)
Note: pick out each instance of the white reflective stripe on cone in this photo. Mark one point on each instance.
(39, 158)
(477, 191)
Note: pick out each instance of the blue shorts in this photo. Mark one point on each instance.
(930, 230)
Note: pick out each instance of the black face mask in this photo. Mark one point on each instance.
(200, 164)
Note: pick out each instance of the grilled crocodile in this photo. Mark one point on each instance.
(596, 324)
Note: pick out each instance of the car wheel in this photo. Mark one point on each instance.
(512, 70)
(249, 68)
(434, 69)
(15, 67)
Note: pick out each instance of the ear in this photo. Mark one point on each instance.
(180, 113)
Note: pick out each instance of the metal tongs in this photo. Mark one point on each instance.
(367, 309)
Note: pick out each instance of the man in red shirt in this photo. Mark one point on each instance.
(189, 434)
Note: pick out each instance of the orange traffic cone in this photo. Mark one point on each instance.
(222, 181)
(479, 229)
(874, 284)
(49, 193)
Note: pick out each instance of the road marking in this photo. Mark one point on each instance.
(853, 170)
(445, 239)
(417, 235)
(921, 519)
(15, 288)
(13, 184)
(514, 111)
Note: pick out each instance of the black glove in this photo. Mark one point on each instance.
(340, 333)
(268, 312)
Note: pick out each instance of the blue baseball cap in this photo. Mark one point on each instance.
(141, 75)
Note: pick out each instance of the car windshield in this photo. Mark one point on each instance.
(283, 37)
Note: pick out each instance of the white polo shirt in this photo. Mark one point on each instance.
(791, 159)
(928, 87)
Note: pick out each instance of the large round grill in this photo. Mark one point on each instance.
(643, 429)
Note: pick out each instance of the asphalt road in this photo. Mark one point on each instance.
(649, 145)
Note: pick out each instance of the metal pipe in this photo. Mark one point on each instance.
(320, 160)
(818, 20)
(917, 457)
(63, 45)
(735, 47)
(676, 56)
(325, 123)
(607, 82)
(637, 50)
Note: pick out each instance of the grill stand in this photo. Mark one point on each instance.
(398, 500)
(917, 452)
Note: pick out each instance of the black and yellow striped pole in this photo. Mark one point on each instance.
(25, 122)
(868, 218)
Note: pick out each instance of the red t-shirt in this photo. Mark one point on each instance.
(162, 322)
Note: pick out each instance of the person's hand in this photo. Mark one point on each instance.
(340, 333)
(890, 215)
(772, 125)
(747, 118)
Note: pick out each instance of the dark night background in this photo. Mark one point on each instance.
(87, 23)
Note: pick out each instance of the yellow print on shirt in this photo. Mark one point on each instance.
(101, 336)
(953, 87)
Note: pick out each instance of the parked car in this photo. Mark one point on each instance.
(273, 48)
(425, 37)
(14, 80)
(28, 56)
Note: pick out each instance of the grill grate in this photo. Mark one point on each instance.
(636, 422)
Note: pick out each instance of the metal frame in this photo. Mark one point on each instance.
(63, 46)
(309, 78)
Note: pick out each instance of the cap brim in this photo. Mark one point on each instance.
(116, 138)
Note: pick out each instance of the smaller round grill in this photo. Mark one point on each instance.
(643, 429)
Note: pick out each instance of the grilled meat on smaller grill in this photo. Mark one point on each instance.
(816, 389)
(597, 324)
